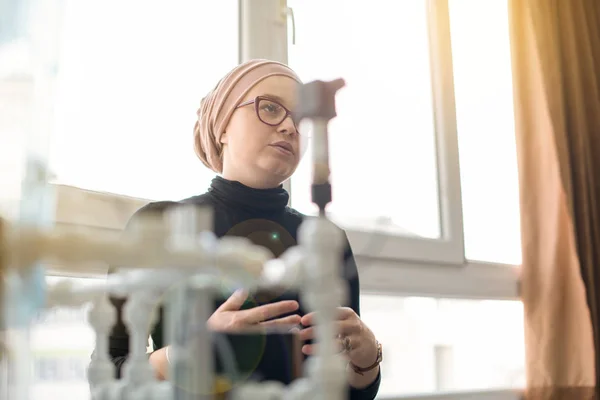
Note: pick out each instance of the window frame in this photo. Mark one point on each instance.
(406, 266)
(418, 259)
(467, 395)
(449, 248)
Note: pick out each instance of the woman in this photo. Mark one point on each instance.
(246, 135)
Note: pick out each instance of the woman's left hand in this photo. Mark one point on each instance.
(354, 336)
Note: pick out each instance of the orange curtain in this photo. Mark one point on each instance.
(556, 71)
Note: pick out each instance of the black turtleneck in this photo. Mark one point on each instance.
(261, 215)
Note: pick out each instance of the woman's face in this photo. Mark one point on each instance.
(255, 153)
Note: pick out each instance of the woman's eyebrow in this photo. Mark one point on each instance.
(277, 99)
(273, 97)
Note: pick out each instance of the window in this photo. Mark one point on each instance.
(46, 369)
(424, 139)
(386, 162)
(385, 116)
(484, 109)
(61, 342)
(135, 89)
(384, 140)
(446, 345)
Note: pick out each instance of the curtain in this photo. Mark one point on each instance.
(556, 75)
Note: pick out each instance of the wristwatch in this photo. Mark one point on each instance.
(378, 361)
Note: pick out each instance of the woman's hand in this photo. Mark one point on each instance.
(160, 363)
(228, 317)
(355, 338)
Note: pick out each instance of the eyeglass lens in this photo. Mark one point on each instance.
(270, 112)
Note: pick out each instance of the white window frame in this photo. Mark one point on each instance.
(407, 266)
(472, 395)
(264, 35)
(403, 264)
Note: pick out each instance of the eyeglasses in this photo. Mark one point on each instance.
(269, 111)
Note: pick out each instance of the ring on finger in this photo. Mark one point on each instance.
(347, 344)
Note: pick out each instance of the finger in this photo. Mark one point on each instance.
(345, 328)
(269, 311)
(311, 349)
(289, 320)
(235, 301)
(343, 313)
(308, 349)
(347, 313)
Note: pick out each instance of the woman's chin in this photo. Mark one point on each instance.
(280, 169)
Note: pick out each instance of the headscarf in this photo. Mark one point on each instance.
(219, 104)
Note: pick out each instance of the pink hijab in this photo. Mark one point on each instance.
(219, 104)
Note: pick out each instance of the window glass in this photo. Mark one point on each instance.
(486, 132)
(439, 345)
(382, 145)
(127, 96)
(62, 343)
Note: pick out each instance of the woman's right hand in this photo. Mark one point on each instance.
(228, 317)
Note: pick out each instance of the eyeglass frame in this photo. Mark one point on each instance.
(256, 102)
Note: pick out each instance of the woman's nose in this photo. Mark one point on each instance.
(287, 127)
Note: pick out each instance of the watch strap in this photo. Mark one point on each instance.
(361, 371)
